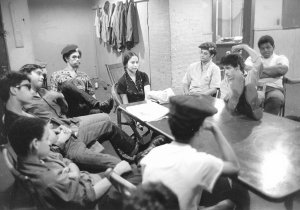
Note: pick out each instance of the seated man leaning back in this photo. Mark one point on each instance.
(58, 182)
(15, 92)
(77, 86)
(239, 91)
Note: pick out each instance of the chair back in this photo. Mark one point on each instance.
(21, 181)
(286, 81)
(115, 72)
(122, 185)
(115, 95)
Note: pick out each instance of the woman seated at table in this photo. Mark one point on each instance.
(134, 85)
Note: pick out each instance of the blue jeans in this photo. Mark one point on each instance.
(93, 128)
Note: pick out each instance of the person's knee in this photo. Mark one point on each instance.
(275, 94)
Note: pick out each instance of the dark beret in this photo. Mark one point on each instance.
(191, 108)
(68, 48)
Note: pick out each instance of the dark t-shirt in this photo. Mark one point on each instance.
(133, 90)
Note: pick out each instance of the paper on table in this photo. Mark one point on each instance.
(149, 111)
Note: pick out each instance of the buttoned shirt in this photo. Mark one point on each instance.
(84, 81)
(202, 77)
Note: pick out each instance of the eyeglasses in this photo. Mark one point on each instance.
(24, 85)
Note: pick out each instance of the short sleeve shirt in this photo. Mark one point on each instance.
(184, 170)
(133, 90)
(201, 78)
(272, 61)
(61, 76)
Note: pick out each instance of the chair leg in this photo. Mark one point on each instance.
(119, 118)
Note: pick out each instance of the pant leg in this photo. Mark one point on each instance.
(99, 127)
(222, 191)
(274, 100)
(69, 88)
(88, 159)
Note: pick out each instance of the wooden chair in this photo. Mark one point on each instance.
(287, 81)
(121, 184)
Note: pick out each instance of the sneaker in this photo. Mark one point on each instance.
(237, 87)
(250, 104)
(107, 105)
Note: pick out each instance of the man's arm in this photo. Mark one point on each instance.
(210, 91)
(103, 185)
(274, 71)
(231, 165)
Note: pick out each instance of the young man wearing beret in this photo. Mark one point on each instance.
(179, 165)
(203, 77)
(76, 86)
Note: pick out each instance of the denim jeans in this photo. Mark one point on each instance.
(93, 128)
(80, 103)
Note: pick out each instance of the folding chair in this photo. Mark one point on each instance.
(115, 72)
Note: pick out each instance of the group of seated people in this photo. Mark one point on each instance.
(57, 134)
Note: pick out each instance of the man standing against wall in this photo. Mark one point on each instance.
(274, 68)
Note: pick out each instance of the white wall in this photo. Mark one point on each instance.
(56, 23)
(105, 53)
(191, 24)
(17, 28)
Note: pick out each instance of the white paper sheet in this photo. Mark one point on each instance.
(149, 111)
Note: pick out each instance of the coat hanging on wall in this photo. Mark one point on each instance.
(116, 24)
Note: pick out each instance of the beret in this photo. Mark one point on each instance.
(191, 108)
(68, 48)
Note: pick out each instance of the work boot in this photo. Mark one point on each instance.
(106, 106)
(250, 104)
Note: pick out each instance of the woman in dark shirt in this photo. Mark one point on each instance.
(134, 85)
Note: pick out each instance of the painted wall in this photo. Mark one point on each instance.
(191, 24)
(106, 55)
(17, 24)
(56, 23)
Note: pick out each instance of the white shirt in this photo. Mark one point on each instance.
(272, 61)
(184, 170)
(201, 78)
